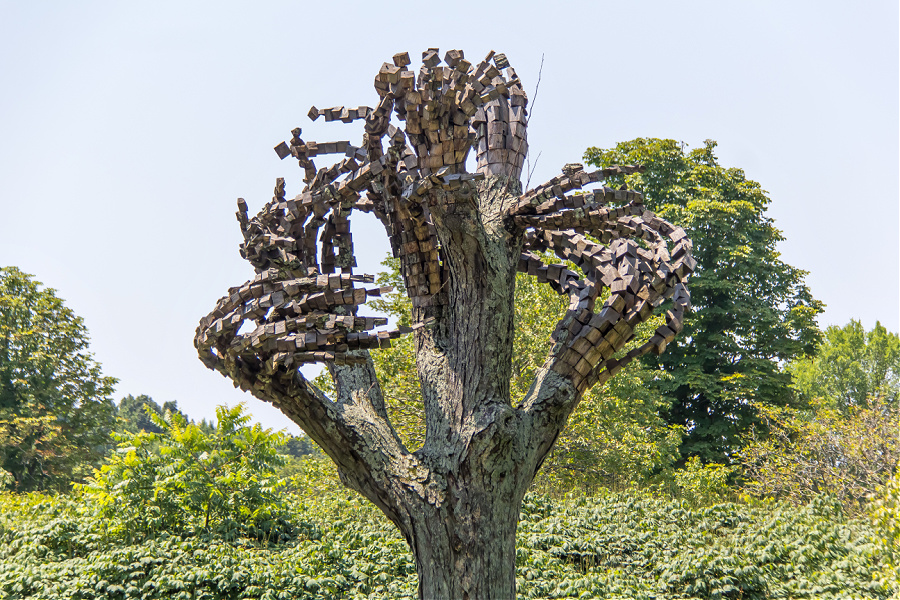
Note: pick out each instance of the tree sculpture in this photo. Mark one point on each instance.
(460, 238)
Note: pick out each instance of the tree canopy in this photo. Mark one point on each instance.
(132, 413)
(55, 406)
(751, 311)
(852, 366)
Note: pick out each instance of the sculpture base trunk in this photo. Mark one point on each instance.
(467, 551)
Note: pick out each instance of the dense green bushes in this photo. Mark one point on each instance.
(612, 546)
(194, 513)
(186, 510)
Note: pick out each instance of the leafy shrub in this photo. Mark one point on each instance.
(703, 485)
(187, 481)
(885, 513)
(625, 546)
(55, 547)
(848, 454)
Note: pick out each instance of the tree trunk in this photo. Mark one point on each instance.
(465, 542)
(467, 548)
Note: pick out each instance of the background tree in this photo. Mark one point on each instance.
(802, 454)
(460, 238)
(132, 414)
(851, 366)
(55, 408)
(751, 311)
(298, 446)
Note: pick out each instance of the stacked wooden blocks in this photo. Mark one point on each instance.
(622, 249)
(304, 299)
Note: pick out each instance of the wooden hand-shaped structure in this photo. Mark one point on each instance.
(460, 238)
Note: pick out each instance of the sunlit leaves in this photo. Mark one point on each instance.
(851, 366)
(849, 454)
(55, 406)
(188, 480)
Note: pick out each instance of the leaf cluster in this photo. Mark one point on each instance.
(884, 510)
(849, 454)
(184, 480)
(850, 367)
(132, 415)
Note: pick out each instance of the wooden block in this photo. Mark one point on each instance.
(666, 333)
(401, 59)
(658, 344)
(583, 367)
(581, 345)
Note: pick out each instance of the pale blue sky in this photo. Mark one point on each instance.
(128, 129)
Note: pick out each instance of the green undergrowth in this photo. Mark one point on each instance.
(609, 546)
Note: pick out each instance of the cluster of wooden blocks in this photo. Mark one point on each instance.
(446, 109)
(304, 299)
(297, 320)
(622, 249)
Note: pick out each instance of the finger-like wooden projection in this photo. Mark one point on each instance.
(622, 249)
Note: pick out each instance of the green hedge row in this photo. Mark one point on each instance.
(615, 546)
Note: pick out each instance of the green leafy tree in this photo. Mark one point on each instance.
(851, 366)
(133, 416)
(55, 406)
(751, 311)
(802, 454)
(184, 480)
(298, 446)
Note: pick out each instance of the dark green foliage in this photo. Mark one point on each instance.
(617, 546)
(132, 414)
(55, 406)
(629, 547)
(297, 446)
(751, 311)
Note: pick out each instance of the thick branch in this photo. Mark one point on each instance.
(353, 429)
(620, 249)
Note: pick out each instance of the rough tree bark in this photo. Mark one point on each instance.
(461, 238)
